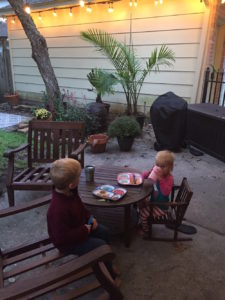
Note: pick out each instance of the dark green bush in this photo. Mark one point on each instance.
(124, 126)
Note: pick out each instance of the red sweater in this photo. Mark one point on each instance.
(66, 217)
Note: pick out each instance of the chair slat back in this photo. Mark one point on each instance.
(53, 140)
(183, 197)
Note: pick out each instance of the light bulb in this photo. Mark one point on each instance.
(111, 9)
(70, 13)
(89, 9)
(39, 16)
(222, 1)
(161, 1)
(135, 3)
(156, 2)
(13, 21)
(131, 3)
(54, 13)
(27, 9)
(82, 3)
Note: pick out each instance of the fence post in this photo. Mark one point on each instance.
(205, 87)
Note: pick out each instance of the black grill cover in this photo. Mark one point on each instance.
(168, 117)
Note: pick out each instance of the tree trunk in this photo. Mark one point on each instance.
(39, 51)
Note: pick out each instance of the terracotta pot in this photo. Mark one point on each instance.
(98, 142)
(13, 100)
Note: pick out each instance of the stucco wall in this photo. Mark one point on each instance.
(179, 24)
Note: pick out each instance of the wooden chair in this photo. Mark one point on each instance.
(40, 269)
(47, 141)
(175, 213)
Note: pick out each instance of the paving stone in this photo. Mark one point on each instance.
(7, 120)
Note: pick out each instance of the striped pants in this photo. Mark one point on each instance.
(144, 213)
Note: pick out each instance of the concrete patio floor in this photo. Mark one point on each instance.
(157, 270)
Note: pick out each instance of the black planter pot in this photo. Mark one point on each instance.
(98, 110)
(125, 142)
(140, 118)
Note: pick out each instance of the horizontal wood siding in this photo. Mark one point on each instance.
(180, 26)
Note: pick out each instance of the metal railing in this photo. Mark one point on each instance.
(214, 87)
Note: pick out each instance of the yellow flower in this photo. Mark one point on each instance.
(42, 113)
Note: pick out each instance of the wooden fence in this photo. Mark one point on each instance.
(5, 68)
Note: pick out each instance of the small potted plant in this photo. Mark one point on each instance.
(12, 98)
(125, 128)
(42, 114)
(102, 83)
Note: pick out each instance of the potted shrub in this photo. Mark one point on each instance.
(102, 83)
(129, 68)
(125, 129)
(42, 114)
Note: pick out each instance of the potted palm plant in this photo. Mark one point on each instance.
(129, 69)
(102, 82)
(125, 129)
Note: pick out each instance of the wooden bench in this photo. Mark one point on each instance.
(40, 269)
(47, 141)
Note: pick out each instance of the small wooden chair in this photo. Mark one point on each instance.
(175, 213)
(40, 269)
(47, 141)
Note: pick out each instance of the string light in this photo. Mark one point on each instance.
(161, 1)
(89, 9)
(156, 2)
(27, 8)
(82, 3)
(54, 13)
(13, 21)
(135, 3)
(131, 3)
(110, 9)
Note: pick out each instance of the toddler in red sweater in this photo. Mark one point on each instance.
(71, 227)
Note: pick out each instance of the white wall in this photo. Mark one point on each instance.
(179, 24)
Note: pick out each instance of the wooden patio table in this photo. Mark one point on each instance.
(108, 175)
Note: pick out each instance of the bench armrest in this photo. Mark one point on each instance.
(25, 206)
(79, 149)
(11, 152)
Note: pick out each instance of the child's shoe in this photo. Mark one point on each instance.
(143, 234)
(117, 282)
(116, 270)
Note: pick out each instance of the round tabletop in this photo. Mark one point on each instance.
(108, 175)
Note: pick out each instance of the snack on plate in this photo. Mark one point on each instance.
(129, 179)
(109, 192)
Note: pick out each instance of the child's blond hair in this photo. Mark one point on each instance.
(64, 171)
(165, 157)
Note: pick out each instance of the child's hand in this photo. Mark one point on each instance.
(94, 224)
(88, 228)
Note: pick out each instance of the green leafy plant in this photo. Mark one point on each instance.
(124, 126)
(129, 69)
(102, 81)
